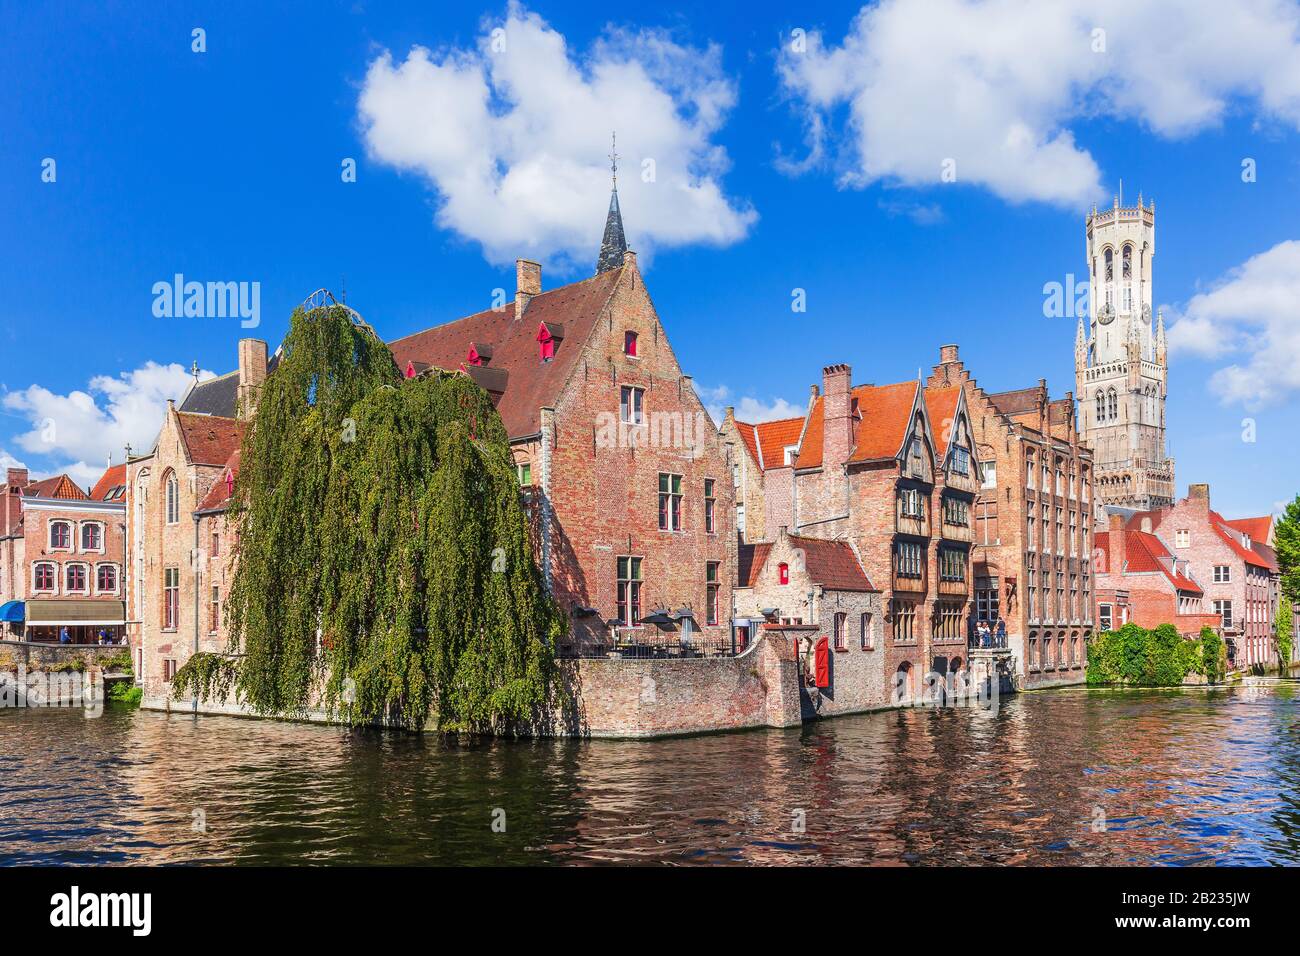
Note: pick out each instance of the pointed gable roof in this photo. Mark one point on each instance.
(530, 383)
(941, 404)
(767, 441)
(57, 486)
(750, 559)
(832, 564)
(884, 415)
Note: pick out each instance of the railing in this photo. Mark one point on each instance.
(988, 642)
(644, 644)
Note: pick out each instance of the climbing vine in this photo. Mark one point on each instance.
(383, 567)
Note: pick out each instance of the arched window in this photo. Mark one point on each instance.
(172, 498)
(1110, 277)
(74, 578)
(60, 536)
(1113, 401)
(106, 578)
(1128, 278)
(43, 577)
(92, 536)
(1101, 406)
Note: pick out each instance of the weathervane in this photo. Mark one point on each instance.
(613, 156)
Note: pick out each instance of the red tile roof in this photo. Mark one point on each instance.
(767, 441)
(941, 405)
(210, 439)
(1259, 529)
(531, 383)
(832, 564)
(1145, 553)
(59, 486)
(111, 485)
(1232, 537)
(218, 495)
(750, 559)
(883, 413)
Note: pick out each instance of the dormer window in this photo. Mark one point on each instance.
(480, 353)
(790, 454)
(548, 336)
(960, 460)
(629, 344)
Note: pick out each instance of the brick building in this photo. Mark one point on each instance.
(763, 456)
(889, 469)
(627, 481)
(61, 560)
(1239, 580)
(175, 497)
(1032, 524)
(819, 591)
(1140, 580)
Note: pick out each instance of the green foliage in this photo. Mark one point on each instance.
(118, 663)
(125, 693)
(1139, 657)
(383, 562)
(1214, 656)
(1286, 542)
(66, 666)
(204, 676)
(1282, 625)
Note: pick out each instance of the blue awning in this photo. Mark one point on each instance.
(13, 612)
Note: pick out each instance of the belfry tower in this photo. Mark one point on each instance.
(1121, 364)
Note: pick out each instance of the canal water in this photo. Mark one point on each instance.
(1059, 777)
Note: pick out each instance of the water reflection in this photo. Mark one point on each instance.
(1076, 776)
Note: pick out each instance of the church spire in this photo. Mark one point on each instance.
(614, 243)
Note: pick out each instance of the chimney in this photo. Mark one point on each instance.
(17, 476)
(1118, 544)
(528, 283)
(947, 354)
(252, 373)
(1199, 495)
(837, 416)
(629, 258)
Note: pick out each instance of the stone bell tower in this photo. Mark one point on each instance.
(1121, 364)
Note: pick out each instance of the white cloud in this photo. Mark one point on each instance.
(748, 408)
(994, 84)
(514, 137)
(1253, 312)
(82, 428)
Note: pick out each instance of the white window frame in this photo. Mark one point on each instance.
(72, 535)
(117, 578)
(85, 567)
(81, 541)
(57, 582)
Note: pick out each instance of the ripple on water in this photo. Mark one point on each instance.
(1066, 777)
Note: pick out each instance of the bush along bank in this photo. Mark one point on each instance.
(1136, 657)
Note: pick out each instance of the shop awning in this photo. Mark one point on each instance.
(57, 613)
(12, 612)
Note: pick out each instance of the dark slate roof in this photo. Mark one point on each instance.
(216, 396)
(530, 383)
(614, 243)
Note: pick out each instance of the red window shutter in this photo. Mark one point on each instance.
(783, 570)
(822, 663)
(629, 343)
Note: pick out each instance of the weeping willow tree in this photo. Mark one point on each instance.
(383, 567)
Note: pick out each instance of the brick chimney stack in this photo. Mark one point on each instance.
(528, 283)
(1117, 545)
(837, 416)
(1199, 495)
(252, 374)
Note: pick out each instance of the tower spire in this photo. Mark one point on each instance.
(614, 243)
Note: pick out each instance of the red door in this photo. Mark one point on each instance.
(822, 662)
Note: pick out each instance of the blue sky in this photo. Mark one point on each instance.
(776, 168)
